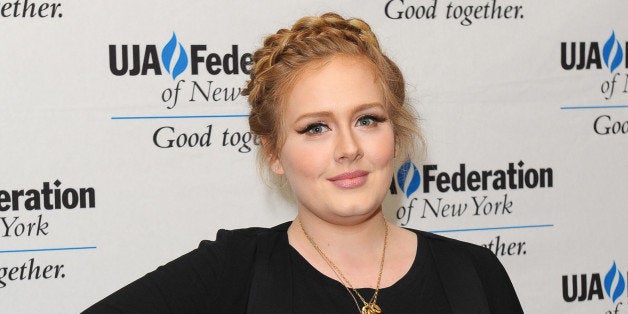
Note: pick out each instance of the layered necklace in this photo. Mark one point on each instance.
(369, 307)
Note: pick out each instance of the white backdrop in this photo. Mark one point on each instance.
(498, 91)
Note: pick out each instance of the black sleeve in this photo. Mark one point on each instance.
(500, 293)
(189, 284)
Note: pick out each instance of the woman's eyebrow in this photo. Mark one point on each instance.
(368, 106)
(316, 114)
(324, 114)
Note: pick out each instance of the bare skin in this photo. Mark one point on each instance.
(357, 251)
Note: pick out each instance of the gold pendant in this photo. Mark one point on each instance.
(371, 308)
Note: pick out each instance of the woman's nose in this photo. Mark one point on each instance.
(347, 146)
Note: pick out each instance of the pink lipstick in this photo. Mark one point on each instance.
(350, 180)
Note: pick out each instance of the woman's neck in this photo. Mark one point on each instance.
(363, 237)
(356, 249)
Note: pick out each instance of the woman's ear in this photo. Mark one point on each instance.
(273, 160)
(275, 165)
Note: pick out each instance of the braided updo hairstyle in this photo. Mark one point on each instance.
(312, 40)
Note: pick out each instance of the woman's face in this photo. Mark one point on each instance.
(339, 143)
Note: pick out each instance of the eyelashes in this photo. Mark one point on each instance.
(367, 120)
(314, 128)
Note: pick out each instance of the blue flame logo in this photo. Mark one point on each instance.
(608, 283)
(606, 53)
(404, 175)
(168, 53)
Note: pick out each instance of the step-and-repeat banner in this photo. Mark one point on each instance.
(125, 140)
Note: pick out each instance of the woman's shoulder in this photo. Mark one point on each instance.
(445, 248)
(241, 241)
(248, 234)
(476, 268)
(199, 281)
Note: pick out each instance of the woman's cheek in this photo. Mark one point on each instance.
(304, 157)
(382, 148)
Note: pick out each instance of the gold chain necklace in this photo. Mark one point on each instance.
(369, 307)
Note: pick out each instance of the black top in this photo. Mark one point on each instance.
(418, 291)
(255, 270)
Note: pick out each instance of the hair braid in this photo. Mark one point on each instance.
(284, 55)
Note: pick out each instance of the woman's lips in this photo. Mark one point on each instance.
(350, 180)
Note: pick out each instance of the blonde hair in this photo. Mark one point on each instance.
(284, 56)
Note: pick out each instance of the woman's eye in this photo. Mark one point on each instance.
(368, 120)
(315, 128)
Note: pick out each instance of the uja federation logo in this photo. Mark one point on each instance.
(608, 54)
(513, 176)
(583, 55)
(586, 287)
(144, 59)
(408, 178)
(167, 56)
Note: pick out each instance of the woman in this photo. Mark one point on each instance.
(330, 109)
